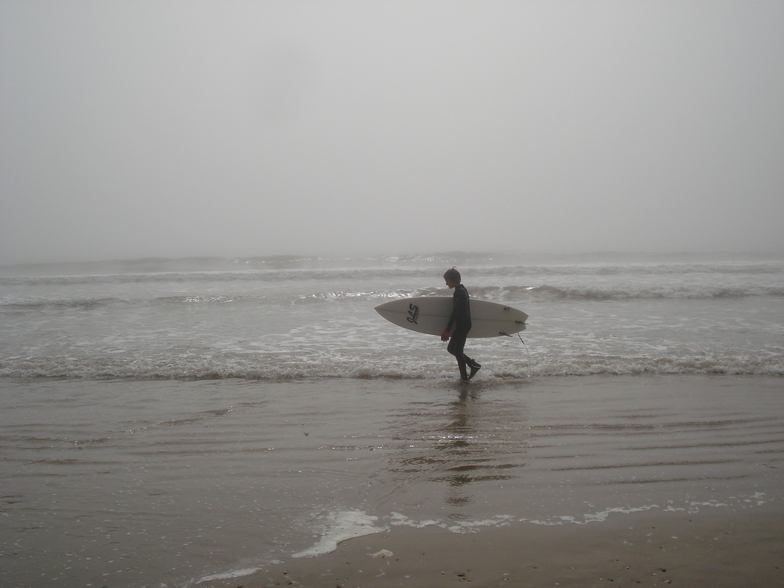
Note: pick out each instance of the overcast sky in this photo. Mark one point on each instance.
(190, 128)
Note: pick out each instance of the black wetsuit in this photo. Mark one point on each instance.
(460, 319)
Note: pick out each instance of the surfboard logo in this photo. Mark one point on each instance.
(413, 313)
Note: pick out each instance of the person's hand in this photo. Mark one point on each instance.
(445, 336)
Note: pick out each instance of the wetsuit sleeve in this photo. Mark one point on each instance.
(460, 313)
(452, 316)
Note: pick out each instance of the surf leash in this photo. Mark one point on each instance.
(526, 349)
(524, 345)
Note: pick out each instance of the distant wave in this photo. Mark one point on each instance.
(38, 304)
(631, 291)
(162, 264)
(501, 294)
(293, 267)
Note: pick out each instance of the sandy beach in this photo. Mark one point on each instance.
(706, 549)
(690, 473)
(566, 481)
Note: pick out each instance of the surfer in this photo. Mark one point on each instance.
(460, 319)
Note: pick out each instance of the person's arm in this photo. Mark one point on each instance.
(452, 317)
(445, 334)
(461, 313)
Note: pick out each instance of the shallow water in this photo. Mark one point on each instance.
(140, 483)
(273, 318)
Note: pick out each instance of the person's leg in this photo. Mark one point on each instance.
(456, 345)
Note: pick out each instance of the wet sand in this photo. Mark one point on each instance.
(656, 481)
(716, 548)
(574, 481)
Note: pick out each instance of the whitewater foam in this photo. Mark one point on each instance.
(341, 526)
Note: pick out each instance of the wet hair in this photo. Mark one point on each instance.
(452, 275)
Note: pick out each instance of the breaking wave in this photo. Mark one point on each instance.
(265, 368)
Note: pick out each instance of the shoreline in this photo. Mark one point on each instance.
(718, 548)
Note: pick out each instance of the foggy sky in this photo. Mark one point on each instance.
(187, 128)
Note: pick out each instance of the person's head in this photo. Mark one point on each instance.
(452, 277)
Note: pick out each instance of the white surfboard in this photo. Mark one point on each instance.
(431, 314)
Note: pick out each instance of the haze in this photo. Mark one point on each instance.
(173, 128)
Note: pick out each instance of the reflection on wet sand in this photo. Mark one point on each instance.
(577, 453)
(461, 443)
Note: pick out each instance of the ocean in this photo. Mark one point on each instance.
(176, 422)
(299, 317)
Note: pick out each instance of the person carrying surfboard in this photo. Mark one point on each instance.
(460, 319)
